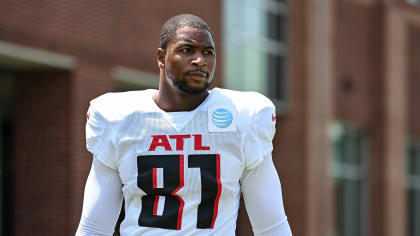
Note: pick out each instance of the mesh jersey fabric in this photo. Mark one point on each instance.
(168, 186)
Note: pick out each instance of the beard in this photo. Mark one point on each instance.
(183, 86)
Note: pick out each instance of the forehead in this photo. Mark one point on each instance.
(194, 36)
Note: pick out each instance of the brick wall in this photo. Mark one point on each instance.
(51, 161)
(356, 59)
(41, 160)
(414, 80)
(114, 32)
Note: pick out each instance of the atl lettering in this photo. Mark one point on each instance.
(163, 141)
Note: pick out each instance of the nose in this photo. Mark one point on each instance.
(199, 60)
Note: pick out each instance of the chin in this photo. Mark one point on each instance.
(187, 89)
(193, 91)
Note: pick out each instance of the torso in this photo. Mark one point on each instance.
(181, 179)
(178, 181)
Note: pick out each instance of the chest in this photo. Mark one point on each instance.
(153, 156)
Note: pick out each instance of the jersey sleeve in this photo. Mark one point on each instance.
(103, 188)
(258, 141)
(263, 199)
(98, 137)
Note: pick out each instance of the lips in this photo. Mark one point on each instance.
(197, 73)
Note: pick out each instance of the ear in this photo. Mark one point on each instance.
(161, 58)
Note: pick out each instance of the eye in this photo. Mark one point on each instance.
(186, 50)
(209, 52)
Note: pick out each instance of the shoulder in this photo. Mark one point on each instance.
(246, 104)
(254, 117)
(116, 106)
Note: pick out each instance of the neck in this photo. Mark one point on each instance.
(170, 99)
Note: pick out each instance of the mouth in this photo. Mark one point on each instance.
(199, 74)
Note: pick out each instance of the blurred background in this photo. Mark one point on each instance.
(344, 75)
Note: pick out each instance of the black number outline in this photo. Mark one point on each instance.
(146, 166)
(211, 188)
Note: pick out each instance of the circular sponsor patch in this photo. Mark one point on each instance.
(222, 118)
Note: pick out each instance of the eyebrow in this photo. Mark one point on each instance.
(189, 43)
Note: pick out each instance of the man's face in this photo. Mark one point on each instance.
(190, 60)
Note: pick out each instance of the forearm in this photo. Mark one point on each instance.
(262, 194)
(102, 201)
(282, 229)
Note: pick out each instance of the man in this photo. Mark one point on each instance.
(181, 155)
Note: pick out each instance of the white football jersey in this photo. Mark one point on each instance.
(181, 177)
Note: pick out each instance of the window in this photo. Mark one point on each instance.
(413, 188)
(414, 2)
(255, 43)
(349, 170)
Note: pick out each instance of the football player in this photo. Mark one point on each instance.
(180, 156)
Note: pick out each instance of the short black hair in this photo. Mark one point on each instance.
(170, 27)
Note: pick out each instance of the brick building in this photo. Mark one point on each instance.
(344, 75)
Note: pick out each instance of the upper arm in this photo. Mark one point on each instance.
(99, 134)
(259, 135)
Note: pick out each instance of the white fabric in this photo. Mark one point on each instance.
(125, 129)
(178, 119)
(263, 199)
(260, 187)
(253, 113)
(102, 201)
